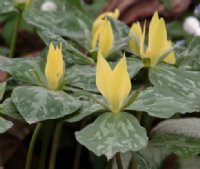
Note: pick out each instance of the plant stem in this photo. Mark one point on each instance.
(45, 143)
(15, 33)
(119, 161)
(133, 164)
(32, 145)
(78, 149)
(55, 143)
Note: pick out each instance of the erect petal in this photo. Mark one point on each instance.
(142, 53)
(96, 26)
(171, 57)
(103, 73)
(153, 28)
(136, 35)
(158, 42)
(106, 38)
(120, 85)
(96, 34)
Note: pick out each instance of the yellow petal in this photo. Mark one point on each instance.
(106, 38)
(113, 85)
(97, 24)
(136, 35)
(153, 28)
(54, 69)
(99, 21)
(142, 40)
(120, 86)
(171, 57)
(103, 72)
(157, 42)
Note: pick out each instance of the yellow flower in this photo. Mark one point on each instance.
(54, 69)
(99, 20)
(158, 43)
(104, 37)
(114, 85)
(102, 33)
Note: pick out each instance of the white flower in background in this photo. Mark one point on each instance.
(191, 25)
(48, 6)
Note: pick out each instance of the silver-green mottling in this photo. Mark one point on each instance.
(37, 103)
(112, 133)
(26, 70)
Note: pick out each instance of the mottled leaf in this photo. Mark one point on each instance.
(37, 103)
(89, 105)
(157, 104)
(112, 133)
(177, 83)
(69, 23)
(185, 132)
(27, 70)
(70, 53)
(82, 76)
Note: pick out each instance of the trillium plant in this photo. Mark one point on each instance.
(115, 95)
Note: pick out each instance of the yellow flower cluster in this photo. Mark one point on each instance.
(115, 84)
(158, 43)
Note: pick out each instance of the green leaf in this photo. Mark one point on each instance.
(9, 109)
(177, 83)
(25, 69)
(134, 66)
(185, 132)
(7, 6)
(2, 89)
(82, 76)
(89, 105)
(68, 23)
(70, 53)
(4, 125)
(157, 104)
(38, 104)
(112, 133)
(120, 29)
